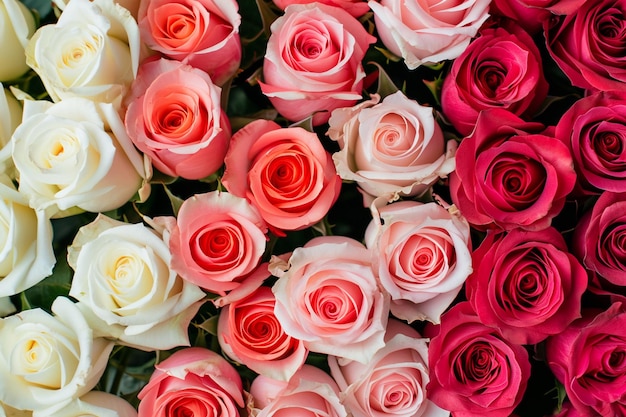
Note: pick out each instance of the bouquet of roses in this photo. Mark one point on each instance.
(327, 208)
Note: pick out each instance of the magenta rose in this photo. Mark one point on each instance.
(511, 173)
(356, 8)
(531, 14)
(393, 383)
(501, 68)
(600, 236)
(421, 253)
(284, 172)
(201, 33)
(474, 370)
(174, 117)
(526, 284)
(589, 359)
(594, 128)
(216, 240)
(249, 333)
(192, 379)
(327, 295)
(313, 61)
(587, 44)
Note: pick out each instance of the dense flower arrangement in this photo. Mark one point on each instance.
(294, 208)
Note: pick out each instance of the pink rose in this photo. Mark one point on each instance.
(216, 240)
(174, 117)
(313, 61)
(394, 147)
(587, 46)
(393, 383)
(310, 392)
(474, 370)
(510, 173)
(421, 253)
(531, 14)
(599, 238)
(427, 32)
(201, 33)
(192, 379)
(589, 359)
(500, 69)
(594, 128)
(356, 8)
(328, 297)
(249, 333)
(284, 172)
(526, 284)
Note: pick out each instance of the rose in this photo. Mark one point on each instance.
(473, 369)
(356, 8)
(393, 383)
(585, 46)
(10, 115)
(192, 379)
(421, 253)
(94, 404)
(125, 287)
(249, 333)
(6, 411)
(284, 172)
(327, 296)
(530, 14)
(73, 154)
(501, 68)
(201, 33)
(599, 236)
(92, 52)
(526, 284)
(310, 392)
(428, 32)
(174, 117)
(46, 360)
(216, 240)
(26, 255)
(394, 147)
(589, 359)
(510, 173)
(313, 61)
(17, 24)
(594, 128)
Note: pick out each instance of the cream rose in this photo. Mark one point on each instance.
(392, 147)
(126, 288)
(46, 361)
(26, 255)
(17, 24)
(10, 115)
(76, 153)
(92, 52)
(94, 404)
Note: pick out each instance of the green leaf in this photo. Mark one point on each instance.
(58, 284)
(386, 86)
(175, 201)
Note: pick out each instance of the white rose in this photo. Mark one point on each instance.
(125, 287)
(76, 153)
(26, 254)
(92, 52)
(46, 361)
(94, 404)
(16, 26)
(10, 115)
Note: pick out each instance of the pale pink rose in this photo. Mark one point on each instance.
(421, 253)
(249, 333)
(329, 297)
(216, 240)
(192, 379)
(427, 32)
(313, 61)
(393, 383)
(356, 8)
(394, 147)
(310, 392)
(174, 117)
(201, 33)
(284, 172)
